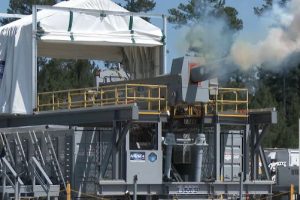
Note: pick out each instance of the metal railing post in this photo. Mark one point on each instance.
(236, 101)
(101, 96)
(84, 98)
(159, 99)
(126, 93)
(116, 96)
(53, 103)
(68, 191)
(38, 102)
(69, 100)
(149, 98)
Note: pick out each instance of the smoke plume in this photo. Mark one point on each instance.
(277, 45)
(210, 39)
(280, 43)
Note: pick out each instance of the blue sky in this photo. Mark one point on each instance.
(244, 7)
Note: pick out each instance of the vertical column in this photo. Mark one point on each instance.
(159, 134)
(217, 151)
(165, 44)
(252, 153)
(256, 156)
(246, 152)
(34, 57)
(299, 158)
(4, 182)
(114, 151)
(169, 142)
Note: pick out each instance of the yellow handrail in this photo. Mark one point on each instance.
(226, 102)
(148, 97)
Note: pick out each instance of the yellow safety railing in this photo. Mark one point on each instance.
(151, 99)
(226, 102)
(231, 102)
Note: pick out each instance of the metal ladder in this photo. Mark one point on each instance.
(53, 159)
(37, 149)
(20, 151)
(7, 149)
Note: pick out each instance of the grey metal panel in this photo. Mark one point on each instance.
(264, 116)
(148, 172)
(228, 155)
(227, 173)
(187, 188)
(38, 190)
(236, 169)
(285, 176)
(86, 167)
(74, 117)
(236, 155)
(232, 159)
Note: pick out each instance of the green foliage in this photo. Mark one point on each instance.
(25, 6)
(195, 11)
(59, 74)
(267, 5)
(139, 6)
(282, 91)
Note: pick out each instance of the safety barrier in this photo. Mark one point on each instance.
(225, 102)
(230, 102)
(149, 98)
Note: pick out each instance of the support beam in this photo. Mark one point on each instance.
(7, 148)
(79, 117)
(246, 153)
(260, 137)
(217, 151)
(34, 59)
(114, 151)
(107, 156)
(6, 15)
(123, 134)
(114, 145)
(263, 116)
(264, 162)
(252, 140)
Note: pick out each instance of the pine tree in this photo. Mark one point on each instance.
(196, 11)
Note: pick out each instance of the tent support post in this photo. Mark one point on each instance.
(34, 58)
(165, 43)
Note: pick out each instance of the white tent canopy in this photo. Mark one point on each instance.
(76, 35)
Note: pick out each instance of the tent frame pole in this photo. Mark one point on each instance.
(165, 44)
(94, 11)
(34, 57)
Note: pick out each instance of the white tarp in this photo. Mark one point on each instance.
(63, 34)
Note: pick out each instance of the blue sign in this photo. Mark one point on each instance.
(2, 65)
(152, 157)
(137, 156)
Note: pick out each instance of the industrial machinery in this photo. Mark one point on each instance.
(173, 136)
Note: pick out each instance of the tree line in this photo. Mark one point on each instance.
(280, 89)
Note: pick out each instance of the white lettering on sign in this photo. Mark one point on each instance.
(188, 189)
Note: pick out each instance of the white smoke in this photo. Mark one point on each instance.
(281, 41)
(210, 39)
